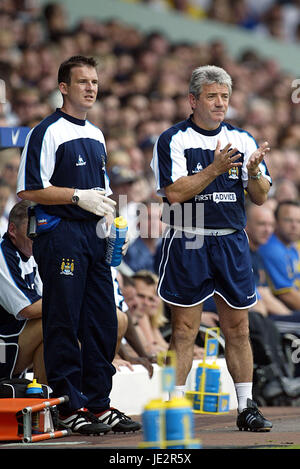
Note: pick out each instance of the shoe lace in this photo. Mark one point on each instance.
(88, 416)
(255, 412)
(119, 414)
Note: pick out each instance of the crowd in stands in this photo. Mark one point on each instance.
(143, 91)
(278, 19)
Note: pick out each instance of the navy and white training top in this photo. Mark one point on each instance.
(64, 151)
(185, 149)
(20, 286)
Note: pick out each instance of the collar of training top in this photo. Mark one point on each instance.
(203, 131)
(14, 247)
(72, 119)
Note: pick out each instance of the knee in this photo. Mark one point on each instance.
(237, 332)
(184, 332)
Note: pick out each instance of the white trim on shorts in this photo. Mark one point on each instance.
(162, 256)
(204, 299)
(206, 231)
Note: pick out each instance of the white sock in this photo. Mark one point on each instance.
(243, 392)
(178, 391)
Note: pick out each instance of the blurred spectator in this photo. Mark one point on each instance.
(144, 252)
(131, 347)
(126, 331)
(260, 226)
(56, 19)
(267, 343)
(152, 312)
(9, 172)
(152, 319)
(280, 259)
(26, 105)
(220, 10)
(286, 190)
(122, 180)
(131, 298)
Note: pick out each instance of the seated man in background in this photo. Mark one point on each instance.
(127, 331)
(152, 312)
(152, 316)
(20, 301)
(274, 376)
(281, 262)
(260, 227)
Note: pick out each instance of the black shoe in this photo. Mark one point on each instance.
(252, 419)
(83, 422)
(118, 421)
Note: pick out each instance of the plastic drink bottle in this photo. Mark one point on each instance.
(179, 422)
(116, 240)
(212, 385)
(35, 391)
(153, 423)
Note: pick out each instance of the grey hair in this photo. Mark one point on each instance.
(19, 213)
(208, 74)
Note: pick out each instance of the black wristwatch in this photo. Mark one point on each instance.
(75, 197)
(257, 176)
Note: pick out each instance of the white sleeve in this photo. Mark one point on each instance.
(168, 163)
(37, 161)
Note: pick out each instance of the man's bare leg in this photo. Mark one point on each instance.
(185, 326)
(238, 353)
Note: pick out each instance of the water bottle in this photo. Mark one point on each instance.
(35, 391)
(212, 385)
(116, 240)
(198, 397)
(179, 422)
(153, 423)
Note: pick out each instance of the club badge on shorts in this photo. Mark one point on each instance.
(67, 267)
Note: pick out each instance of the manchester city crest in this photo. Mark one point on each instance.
(67, 267)
(233, 173)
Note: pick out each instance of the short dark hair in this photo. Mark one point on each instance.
(19, 213)
(64, 72)
(294, 203)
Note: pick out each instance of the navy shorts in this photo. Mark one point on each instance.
(221, 265)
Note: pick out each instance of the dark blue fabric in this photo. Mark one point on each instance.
(221, 265)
